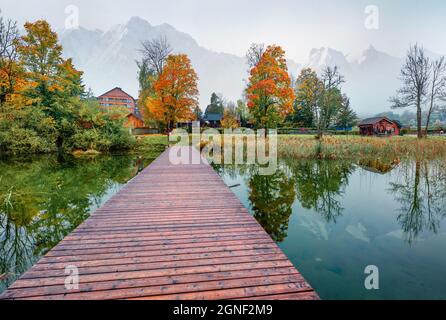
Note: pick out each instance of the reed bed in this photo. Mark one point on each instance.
(355, 147)
(344, 147)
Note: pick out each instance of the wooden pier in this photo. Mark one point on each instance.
(172, 232)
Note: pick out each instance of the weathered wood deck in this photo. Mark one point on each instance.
(173, 232)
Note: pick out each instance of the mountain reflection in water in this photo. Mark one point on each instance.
(333, 218)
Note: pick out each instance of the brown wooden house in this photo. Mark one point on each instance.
(379, 126)
(134, 121)
(117, 97)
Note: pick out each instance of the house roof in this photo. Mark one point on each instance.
(213, 117)
(134, 114)
(137, 113)
(398, 123)
(116, 92)
(372, 121)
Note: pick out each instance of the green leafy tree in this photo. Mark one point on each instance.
(346, 117)
(198, 113)
(55, 85)
(331, 98)
(308, 94)
(46, 107)
(242, 112)
(216, 105)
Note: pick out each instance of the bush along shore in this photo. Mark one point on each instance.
(44, 106)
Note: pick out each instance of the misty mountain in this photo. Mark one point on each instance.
(371, 78)
(108, 60)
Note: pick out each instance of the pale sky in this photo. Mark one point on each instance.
(231, 25)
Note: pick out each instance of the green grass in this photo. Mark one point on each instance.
(151, 145)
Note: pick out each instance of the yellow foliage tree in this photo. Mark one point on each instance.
(229, 120)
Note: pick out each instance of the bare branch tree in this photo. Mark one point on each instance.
(438, 86)
(330, 100)
(9, 35)
(254, 54)
(415, 75)
(332, 78)
(155, 53)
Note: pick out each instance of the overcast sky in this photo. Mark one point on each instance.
(231, 25)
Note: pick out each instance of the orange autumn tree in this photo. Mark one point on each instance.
(270, 95)
(175, 92)
(12, 75)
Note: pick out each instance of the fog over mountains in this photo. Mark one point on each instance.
(108, 60)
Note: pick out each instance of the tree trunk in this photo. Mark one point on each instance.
(319, 129)
(430, 109)
(2, 98)
(419, 131)
(167, 132)
(427, 121)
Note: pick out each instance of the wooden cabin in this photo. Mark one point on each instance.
(134, 121)
(379, 126)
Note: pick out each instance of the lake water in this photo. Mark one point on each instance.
(43, 199)
(333, 219)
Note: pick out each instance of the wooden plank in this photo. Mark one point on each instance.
(172, 232)
(187, 288)
(153, 281)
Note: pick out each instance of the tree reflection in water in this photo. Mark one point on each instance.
(44, 199)
(271, 199)
(421, 190)
(270, 196)
(320, 185)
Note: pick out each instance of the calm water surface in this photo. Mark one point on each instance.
(43, 199)
(332, 219)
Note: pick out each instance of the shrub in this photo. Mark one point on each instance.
(18, 140)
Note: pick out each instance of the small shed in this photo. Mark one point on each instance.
(133, 121)
(379, 126)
